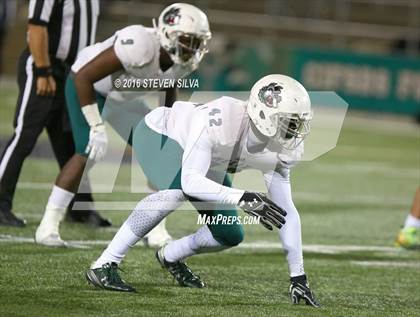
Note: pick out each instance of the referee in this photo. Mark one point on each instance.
(57, 31)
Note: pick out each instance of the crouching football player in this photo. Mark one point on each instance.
(191, 147)
(171, 50)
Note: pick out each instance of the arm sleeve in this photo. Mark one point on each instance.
(195, 165)
(133, 47)
(39, 12)
(279, 190)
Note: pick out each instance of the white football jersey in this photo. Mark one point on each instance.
(222, 125)
(138, 49)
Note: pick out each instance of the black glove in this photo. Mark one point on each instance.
(257, 204)
(299, 289)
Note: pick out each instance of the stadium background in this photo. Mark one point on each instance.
(355, 42)
(352, 200)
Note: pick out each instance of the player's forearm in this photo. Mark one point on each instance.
(38, 45)
(105, 64)
(203, 188)
(85, 89)
(86, 93)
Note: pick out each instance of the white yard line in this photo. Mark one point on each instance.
(48, 186)
(374, 200)
(312, 248)
(321, 248)
(359, 167)
(387, 264)
(313, 197)
(357, 148)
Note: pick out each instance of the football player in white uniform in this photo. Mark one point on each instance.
(201, 143)
(172, 49)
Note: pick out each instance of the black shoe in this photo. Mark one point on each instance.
(107, 277)
(90, 217)
(180, 271)
(7, 218)
(299, 289)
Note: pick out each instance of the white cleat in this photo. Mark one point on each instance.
(50, 239)
(157, 240)
(158, 237)
(47, 232)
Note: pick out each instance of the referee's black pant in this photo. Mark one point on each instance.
(33, 114)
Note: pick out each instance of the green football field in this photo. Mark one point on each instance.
(352, 202)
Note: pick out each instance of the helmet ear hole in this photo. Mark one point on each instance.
(262, 115)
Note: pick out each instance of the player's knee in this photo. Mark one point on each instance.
(231, 236)
(236, 237)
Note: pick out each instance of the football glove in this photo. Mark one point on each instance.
(98, 140)
(98, 143)
(299, 289)
(257, 204)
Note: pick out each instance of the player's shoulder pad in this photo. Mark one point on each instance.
(134, 46)
(225, 120)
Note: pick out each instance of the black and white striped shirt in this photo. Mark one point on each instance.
(71, 25)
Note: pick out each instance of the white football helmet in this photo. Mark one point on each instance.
(184, 33)
(280, 108)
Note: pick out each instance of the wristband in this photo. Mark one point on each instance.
(92, 115)
(44, 71)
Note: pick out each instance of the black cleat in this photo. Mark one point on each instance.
(107, 277)
(7, 218)
(90, 217)
(180, 271)
(299, 289)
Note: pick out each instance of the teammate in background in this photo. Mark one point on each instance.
(172, 49)
(41, 75)
(201, 144)
(409, 235)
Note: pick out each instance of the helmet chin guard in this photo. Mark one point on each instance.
(280, 108)
(184, 33)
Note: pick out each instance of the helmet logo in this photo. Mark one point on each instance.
(172, 16)
(270, 93)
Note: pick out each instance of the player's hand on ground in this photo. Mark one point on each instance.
(257, 204)
(98, 143)
(46, 86)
